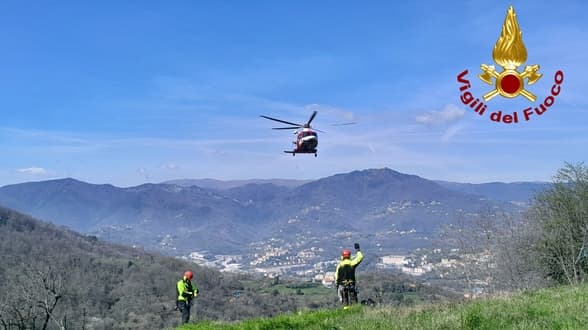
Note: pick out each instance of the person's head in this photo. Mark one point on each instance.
(346, 254)
(188, 275)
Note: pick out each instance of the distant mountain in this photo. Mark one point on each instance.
(370, 188)
(513, 192)
(78, 205)
(142, 215)
(224, 185)
(258, 193)
(370, 201)
(377, 205)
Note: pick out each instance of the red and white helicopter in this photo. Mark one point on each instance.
(306, 138)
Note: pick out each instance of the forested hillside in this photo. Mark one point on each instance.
(55, 277)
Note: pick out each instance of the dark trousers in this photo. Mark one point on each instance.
(347, 294)
(184, 307)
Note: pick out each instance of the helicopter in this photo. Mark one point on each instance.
(306, 138)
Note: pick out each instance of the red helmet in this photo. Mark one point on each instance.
(346, 254)
(188, 274)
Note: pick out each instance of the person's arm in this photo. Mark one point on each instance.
(189, 291)
(357, 259)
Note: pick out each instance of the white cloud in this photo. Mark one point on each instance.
(451, 113)
(170, 166)
(33, 170)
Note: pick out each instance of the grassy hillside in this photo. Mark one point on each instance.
(556, 308)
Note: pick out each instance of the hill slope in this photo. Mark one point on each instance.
(555, 308)
(47, 271)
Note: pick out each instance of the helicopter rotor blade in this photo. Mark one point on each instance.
(281, 121)
(293, 127)
(310, 119)
(344, 124)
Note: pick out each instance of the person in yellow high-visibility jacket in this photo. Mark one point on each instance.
(345, 276)
(186, 292)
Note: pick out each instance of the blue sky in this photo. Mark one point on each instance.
(127, 92)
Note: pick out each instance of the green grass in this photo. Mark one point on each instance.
(555, 308)
(309, 292)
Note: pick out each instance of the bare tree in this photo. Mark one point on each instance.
(51, 289)
(472, 235)
(551, 241)
(515, 257)
(31, 300)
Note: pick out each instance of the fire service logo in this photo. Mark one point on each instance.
(509, 53)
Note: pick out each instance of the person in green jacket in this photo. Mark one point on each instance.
(345, 276)
(186, 292)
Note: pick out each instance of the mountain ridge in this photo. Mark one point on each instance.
(178, 219)
(511, 191)
(229, 184)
